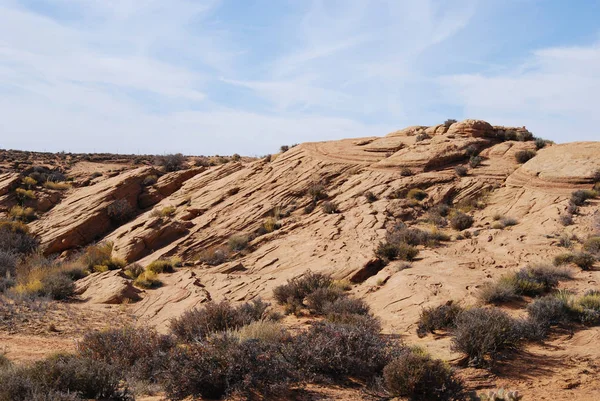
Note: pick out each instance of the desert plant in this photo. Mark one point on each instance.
(214, 256)
(171, 162)
(549, 310)
(238, 242)
(540, 143)
(147, 280)
(57, 186)
(198, 323)
(317, 300)
(16, 238)
(416, 375)
(461, 171)
(566, 219)
(330, 207)
(297, 289)
(134, 270)
(24, 214)
(475, 161)
(120, 211)
(57, 286)
(140, 351)
(396, 251)
(99, 258)
(417, 194)
(421, 137)
(499, 395)
(338, 350)
(317, 192)
(163, 265)
(497, 292)
(582, 259)
(461, 221)
(150, 180)
(482, 334)
(592, 245)
(370, 196)
(406, 172)
(579, 197)
(441, 317)
(24, 194)
(522, 156)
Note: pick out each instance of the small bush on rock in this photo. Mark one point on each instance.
(522, 156)
(461, 221)
(438, 318)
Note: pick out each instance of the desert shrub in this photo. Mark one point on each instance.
(536, 280)
(139, 351)
(24, 194)
(24, 214)
(566, 219)
(62, 377)
(579, 197)
(475, 161)
(214, 256)
(57, 286)
(548, 311)
(522, 156)
(540, 143)
(524, 136)
(441, 317)
(346, 306)
(338, 350)
(162, 266)
(396, 251)
(317, 300)
(417, 376)
(267, 331)
(461, 171)
(236, 157)
(582, 259)
(238, 242)
(330, 207)
(134, 270)
(406, 172)
(8, 262)
(29, 182)
(572, 208)
(508, 221)
(120, 211)
(167, 211)
(149, 180)
(284, 148)
(370, 196)
(57, 186)
(98, 257)
(449, 122)
(497, 292)
(147, 280)
(592, 245)
(482, 334)
(297, 289)
(422, 137)
(223, 365)
(198, 323)
(15, 237)
(461, 221)
(171, 162)
(317, 192)
(417, 194)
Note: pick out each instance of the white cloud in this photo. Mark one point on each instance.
(554, 91)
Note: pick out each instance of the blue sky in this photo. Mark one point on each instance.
(246, 76)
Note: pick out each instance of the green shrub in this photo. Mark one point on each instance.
(396, 251)
(582, 259)
(134, 270)
(441, 317)
(162, 266)
(419, 377)
(548, 311)
(147, 280)
(522, 156)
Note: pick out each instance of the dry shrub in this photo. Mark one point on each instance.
(163, 266)
(198, 323)
(223, 365)
(461, 171)
(579, 197)
(147, 280)
(522, 156)
(417, 194)
(592, 245)
(24, 214)
(390, 251)
(483, 334)
(441, 317)
(582, 259)
(238, 242)
(317, 300)
(139, 351)
(461, 221)
(330, 207)
(98, 257)
(417, 376)
(15, 237)
(171, 162)
(120, 211)
(338, 350)
(298, 288)
(214, 256)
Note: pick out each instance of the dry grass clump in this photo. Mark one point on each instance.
(24, 194)
(163, 265)
(24, 214)
(592, 245)
(214, 256)
(417, 194)
(166, 212)
(580, 197)
(330, 207)
(171, 162)
(98, 258)
(57, 186)
(238, 242)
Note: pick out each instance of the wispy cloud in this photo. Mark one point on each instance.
(220, 76)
